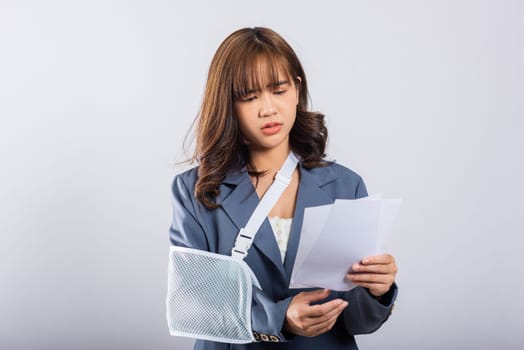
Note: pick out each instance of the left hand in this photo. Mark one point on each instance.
(376, 273)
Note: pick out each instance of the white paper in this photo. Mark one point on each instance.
(336, 236)
(312, 226)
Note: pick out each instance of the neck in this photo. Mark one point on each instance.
(270, 160)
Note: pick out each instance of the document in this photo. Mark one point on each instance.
(338, 235)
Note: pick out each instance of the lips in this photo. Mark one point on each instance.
(271, 128)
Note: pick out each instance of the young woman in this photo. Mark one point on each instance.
(254, 112)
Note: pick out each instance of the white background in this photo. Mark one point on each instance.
(424, 99)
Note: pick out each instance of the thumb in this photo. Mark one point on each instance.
(315, 295)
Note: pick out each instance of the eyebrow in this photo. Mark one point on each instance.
(270, 85)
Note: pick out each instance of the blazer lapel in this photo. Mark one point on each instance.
(239, 199)
(310, 194)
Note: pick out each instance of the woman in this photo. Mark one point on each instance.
(254, 112)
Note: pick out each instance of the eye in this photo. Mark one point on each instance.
(279, 92)
(247, 98)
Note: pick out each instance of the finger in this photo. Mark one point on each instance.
(325, 325)
(315, 295)
(321, 327)
(328, 315)
(376, 289)
(373, 285)
(322, 309)
(370, 278)
(385, 269)
(378, 259)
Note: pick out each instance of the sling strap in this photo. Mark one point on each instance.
(246, 235)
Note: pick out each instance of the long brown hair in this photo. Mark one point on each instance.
(234, 70)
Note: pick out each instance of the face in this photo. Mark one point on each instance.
(267, 114)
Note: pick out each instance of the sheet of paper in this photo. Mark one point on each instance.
(336, 236)
(313, 224)
(388, 213)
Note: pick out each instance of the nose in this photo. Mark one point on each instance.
(267, 107)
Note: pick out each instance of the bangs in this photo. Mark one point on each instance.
(256, 70)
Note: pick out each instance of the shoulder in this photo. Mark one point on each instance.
(185, 181)
(343, 173)
(338, 180)
(333, 171)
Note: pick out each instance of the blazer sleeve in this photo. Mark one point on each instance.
(365, 313)
(186, 230)
(268, 316)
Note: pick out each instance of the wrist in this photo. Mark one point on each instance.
(385, 298)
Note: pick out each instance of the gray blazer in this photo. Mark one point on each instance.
(195, 226)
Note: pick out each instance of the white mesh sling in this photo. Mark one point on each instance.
(208, 294)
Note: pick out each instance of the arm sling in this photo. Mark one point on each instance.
(208, 294)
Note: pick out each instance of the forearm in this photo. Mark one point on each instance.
(268, 317)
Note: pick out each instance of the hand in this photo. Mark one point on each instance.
(376, 273)
(312, 320)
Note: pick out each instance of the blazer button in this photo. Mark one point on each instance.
(274, 338)
(264, 337)
(256, 336)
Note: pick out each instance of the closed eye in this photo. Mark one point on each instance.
(247, 98)
(279, 92)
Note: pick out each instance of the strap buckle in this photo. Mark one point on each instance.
(242, 244)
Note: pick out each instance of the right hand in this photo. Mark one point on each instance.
(308, 320)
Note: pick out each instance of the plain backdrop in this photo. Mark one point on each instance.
(424, 99)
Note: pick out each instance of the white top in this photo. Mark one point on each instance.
(281, 228)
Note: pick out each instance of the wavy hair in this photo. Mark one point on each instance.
(235, 69)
